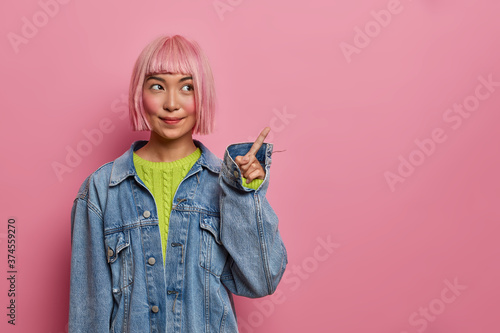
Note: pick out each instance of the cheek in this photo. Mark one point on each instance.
(190, 106)
(150, 104)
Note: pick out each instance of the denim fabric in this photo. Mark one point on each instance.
(223, 240)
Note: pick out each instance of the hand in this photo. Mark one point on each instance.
(248, 164)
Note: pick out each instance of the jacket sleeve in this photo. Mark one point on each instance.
(91, 300)
(249, 229)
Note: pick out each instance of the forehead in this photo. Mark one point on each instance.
(168, 76)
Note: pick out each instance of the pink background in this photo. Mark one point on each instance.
(375, 160)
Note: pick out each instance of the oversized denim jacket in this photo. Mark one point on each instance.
(223, 239)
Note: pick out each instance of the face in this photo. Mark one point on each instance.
(169, 105)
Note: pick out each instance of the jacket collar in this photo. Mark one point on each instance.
(123, 166)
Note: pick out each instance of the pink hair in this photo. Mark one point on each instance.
(174, 55)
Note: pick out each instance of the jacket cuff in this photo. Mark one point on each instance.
(231, 173)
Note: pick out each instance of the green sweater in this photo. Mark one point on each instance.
(163, 178)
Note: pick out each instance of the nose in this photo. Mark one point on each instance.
(171, 102)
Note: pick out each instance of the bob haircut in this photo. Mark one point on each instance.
(174, 55)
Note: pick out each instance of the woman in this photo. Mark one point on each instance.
(166, 233)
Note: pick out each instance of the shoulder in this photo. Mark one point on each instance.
(98, 178)
(208, 159)
(111, 173)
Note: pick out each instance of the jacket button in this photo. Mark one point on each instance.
(151, 261)
(146, 214)
(235, 173)
(155, 309)
(110, 252)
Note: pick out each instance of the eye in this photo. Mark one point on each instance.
(188, 87)
(156, 86)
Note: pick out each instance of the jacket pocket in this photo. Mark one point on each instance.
(119, 258)
(213, 255)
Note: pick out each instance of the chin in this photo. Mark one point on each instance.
(174, 136)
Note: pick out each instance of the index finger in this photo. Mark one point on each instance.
(259, 141)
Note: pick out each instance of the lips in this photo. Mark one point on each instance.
(171, 120)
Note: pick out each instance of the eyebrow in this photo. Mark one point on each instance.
(162, 80)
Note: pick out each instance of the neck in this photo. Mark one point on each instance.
(159, 149)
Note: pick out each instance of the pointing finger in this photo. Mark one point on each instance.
(259, 141)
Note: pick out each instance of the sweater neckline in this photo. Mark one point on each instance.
(191, 158)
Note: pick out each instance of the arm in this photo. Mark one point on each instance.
(254, 184)
(90, 286)
(249, 229)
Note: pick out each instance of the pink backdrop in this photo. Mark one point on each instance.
(387, 188)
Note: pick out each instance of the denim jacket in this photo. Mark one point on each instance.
(223, 239)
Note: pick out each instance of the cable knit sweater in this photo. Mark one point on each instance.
(163, 178)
